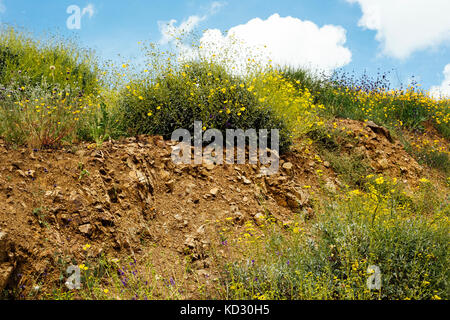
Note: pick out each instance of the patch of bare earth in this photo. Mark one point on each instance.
(127, 198)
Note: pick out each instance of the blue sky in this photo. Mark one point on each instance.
(413, 39)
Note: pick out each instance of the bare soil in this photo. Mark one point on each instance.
(126, 198)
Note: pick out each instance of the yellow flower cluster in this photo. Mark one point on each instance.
(296, 107)
(385, 103)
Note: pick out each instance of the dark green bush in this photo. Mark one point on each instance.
(198, 91)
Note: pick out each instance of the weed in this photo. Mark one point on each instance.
(367, 228)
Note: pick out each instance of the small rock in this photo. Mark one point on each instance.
(203, 273)
(302, 196)
(234, 208)
(164, 175)
(86, 229)
(80, 153)
(214, 192)
(22, 173)
(288, 166)
(383, 164)
(238, 217)
(17, 164)
(380, 130)
(201, 230)
(48, 194)
(292, 201)
(3, 246)
(6, 270)
(189, 242)
(189, 188)
(141, 177)
(171, 185)
(78, 202)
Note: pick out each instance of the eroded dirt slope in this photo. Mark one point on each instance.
(127, 198)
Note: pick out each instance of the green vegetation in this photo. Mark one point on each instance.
(352, 167)
(51, 93)
(29, 62)
(198, 91)
(381, 227)
(54, 92)
(366, 98)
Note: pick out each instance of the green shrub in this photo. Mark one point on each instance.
(198, 91)
(430, 155)
(29, 62)
(303, 79)
(51, 92)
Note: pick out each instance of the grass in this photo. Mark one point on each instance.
(107, 278)
(52, 93)
(360, 230)
(51, 61)
(352, 167)
(366, 98)
(433, 155)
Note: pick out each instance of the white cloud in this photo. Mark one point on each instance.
(170, 32)
(444, 89)
(406, 26)
(280, 41)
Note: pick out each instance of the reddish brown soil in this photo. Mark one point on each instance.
(133, 201)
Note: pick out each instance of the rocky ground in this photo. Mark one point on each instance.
(127, 198)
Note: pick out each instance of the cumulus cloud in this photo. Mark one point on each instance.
(444, 89)
(170, 32)
(280, 41)
(406, 26)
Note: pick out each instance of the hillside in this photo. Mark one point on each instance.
(127, 200)
(358, 210)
